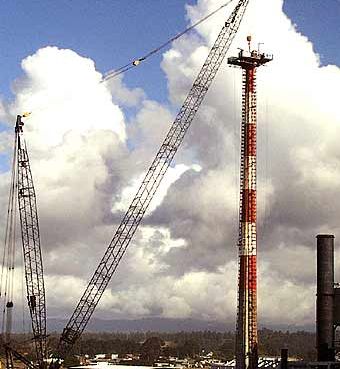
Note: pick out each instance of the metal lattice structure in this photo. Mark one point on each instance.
(153, 178)
(9, 358)
(246, 330)
(31, 245)
(12, 354)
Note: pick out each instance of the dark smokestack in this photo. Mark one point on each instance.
(284, 358)
(325, 297)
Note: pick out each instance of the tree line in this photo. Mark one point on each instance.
(150, 345)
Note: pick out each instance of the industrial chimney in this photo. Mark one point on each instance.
(325, 298)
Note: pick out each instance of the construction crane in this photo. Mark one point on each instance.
(150, 183)
(30, 235)
(23, 188)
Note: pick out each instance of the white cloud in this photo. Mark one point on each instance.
(172, 175)
(298, 160)
(122, 94)
(74, 134)
(185, 254)
(64, 93)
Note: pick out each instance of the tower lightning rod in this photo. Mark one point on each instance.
(246, 326)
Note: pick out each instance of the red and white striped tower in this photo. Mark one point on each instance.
(246, 330)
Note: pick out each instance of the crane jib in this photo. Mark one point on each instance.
(152, 180)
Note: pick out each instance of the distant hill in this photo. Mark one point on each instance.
(146, 324)
(159, 325)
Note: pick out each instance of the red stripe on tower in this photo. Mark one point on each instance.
(251, 140)
(249, 206)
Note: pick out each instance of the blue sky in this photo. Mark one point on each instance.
(319, 21)
(112, 32)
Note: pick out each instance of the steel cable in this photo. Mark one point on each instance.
(114, 73)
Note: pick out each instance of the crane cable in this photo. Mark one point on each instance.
(7, 270)
(115, 72)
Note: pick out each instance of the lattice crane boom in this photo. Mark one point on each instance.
(12, 354)
(150, 183)
(31, 245)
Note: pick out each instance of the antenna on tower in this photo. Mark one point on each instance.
(249, 43)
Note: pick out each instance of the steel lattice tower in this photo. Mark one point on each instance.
(246, 329)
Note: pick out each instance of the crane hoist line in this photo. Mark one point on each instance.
(134, 215)
(116, 72)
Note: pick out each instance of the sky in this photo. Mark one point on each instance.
(94, 29)
(91, 142)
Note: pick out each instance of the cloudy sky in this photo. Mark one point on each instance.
(91, 142)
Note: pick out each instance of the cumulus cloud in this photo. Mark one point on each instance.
(88, 161)
(66, 88)
(297, 162)
(121, 94)
(82, 163)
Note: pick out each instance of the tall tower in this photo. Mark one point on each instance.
(246, 329)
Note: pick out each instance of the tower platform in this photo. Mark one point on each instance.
(251, 59)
